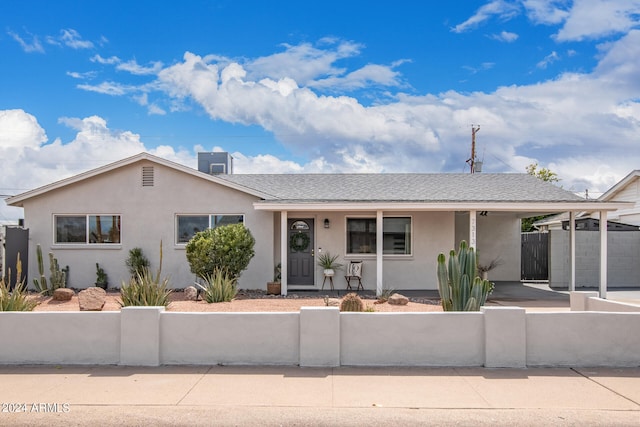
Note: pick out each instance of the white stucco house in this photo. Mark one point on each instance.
(626, 190)
(395, 223)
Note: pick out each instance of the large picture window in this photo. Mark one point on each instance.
(396, 236)
(87, 229)
(188, 225)
(361, 235)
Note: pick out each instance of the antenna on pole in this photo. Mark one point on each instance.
(472, 159)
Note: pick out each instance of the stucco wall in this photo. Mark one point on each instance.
(148, 217)
(322, 336)
(498, 236)
(623, 250)
(432, 233)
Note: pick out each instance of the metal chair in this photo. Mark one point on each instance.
(354, 272)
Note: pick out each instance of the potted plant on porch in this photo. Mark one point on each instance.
(274, 288)
(329, 263)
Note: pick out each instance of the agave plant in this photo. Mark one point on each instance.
(145, 289)
(220, 286)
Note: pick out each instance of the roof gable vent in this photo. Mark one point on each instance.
(147, 176)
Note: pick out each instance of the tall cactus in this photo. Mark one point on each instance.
(41, 284)
(57, 278)
(458, 284)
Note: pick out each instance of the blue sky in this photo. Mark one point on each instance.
(349, 86)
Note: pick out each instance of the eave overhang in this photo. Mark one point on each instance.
(533, 207)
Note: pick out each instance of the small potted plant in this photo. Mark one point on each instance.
(485, 269)
(329, 263)
(274, 288)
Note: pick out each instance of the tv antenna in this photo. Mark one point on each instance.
(472, 160)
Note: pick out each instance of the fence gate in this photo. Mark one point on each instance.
(16, 242)
(534, 258)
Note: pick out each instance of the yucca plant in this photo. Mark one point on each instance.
(18, 298)
(220, 286)
(145, 289)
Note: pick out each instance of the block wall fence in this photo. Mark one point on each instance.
(595, 332)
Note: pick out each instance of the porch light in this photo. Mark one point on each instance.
(327, 224)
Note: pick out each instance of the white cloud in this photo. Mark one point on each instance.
(549, 59)
(109, 61)
(33, 46)
(303, 63)
(505, 36)
(592, 19)
(82, 76)
(71, 38)
(134, 68)
(502, 9)
(549, 12)
(107, 88)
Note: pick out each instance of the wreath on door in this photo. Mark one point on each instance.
(299, 242)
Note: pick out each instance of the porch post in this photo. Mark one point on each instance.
(379, 243)
(472, 230)
(284, 248)
(572, 251)
(603, 254)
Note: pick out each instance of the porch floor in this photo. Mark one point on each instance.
(505, 293)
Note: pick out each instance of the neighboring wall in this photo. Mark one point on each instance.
(322, 336)
(623, 250)
(148, 218)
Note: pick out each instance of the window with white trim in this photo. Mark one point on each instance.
(87, 229)
(188, 225)
(396, 236)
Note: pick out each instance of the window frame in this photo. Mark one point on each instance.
(87, 230)
(211, 223)
(354, 255)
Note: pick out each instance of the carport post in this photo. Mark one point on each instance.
(572, 251)
(603, 254)
(284, 247)
(472, 230)
(379, 256)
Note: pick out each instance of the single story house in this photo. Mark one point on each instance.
(396, 224)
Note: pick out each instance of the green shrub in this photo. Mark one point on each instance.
(228, 248)
(18, 298)
(219, 287)
(136, 262)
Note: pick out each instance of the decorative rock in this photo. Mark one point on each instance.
(191, 293)
(398, 299)
(92, 299)
(333, 302)
(63, 294)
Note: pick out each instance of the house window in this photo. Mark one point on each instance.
(361, 235)
(189, 225)
(87, 229)
(396, 235)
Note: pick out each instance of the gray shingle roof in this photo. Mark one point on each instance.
(403, 187)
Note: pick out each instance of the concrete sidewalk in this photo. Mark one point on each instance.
(229, 395)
